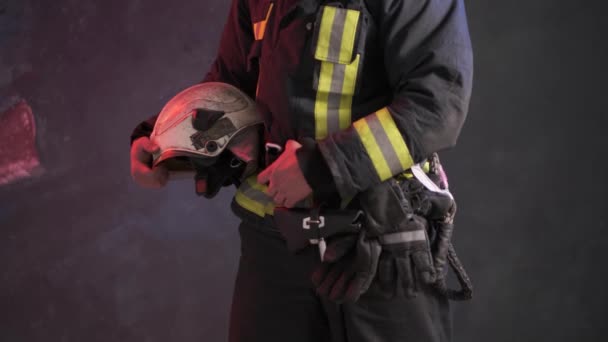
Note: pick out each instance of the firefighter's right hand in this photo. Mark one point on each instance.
(141, 159)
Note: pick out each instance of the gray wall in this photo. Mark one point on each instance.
(86, 255)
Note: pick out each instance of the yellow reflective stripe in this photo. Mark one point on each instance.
(249, 204)
(345, 111)
(384, 144)
(263, 190)
(253, 183)
(350, 76)
(348, 37)
(325, 77)
(372, 149)
(327, 20)
(395, 137)
(259, 28)
(252, 196)
(348, 89)
(321, 115)
(322, 101)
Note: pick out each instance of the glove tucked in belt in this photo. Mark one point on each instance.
(405, 241)
(393, 245)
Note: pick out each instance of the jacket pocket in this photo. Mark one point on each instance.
(336, 50)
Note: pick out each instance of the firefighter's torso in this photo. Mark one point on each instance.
(320, 68)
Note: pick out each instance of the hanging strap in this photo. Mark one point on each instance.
(466, 286)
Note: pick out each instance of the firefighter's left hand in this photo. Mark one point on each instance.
(286, 182)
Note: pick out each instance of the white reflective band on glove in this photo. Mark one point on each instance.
(401, 237)
(427, 182)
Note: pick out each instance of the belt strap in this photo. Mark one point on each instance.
(273, 151)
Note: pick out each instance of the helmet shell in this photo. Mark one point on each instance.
(178, 135)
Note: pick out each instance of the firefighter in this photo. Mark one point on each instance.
(354, 94)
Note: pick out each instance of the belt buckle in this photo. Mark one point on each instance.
(320, 223)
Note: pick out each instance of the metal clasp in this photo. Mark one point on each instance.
(273, 151)
(273, 148)
(307, 221)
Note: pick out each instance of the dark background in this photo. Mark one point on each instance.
(86, 255)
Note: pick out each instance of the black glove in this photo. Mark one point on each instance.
(406, 255)
(349, 260)
(348, 268)
(439, 209)
(393, 245)
(405, 260)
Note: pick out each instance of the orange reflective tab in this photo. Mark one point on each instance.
(259, 28)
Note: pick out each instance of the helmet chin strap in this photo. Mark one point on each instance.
(210, 179)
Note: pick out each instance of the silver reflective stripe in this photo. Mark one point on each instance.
(257, 196)
(334, 98)
(337, 31)
(401, 237)
(385, 144)
(333, 112)
(337, 79)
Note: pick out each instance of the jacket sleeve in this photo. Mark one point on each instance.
(428, 60)
(231, 64)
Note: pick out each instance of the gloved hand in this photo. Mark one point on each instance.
(406, 255)
(348, 268)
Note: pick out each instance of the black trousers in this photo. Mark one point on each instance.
(274, 301)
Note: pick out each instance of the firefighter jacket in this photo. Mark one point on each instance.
(371, 87)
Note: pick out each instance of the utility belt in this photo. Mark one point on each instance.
(252, 203)
(312, 227)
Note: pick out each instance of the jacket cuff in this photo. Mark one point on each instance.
(315, 170)
(144, 129)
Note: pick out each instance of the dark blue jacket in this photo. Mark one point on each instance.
(369, 87)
